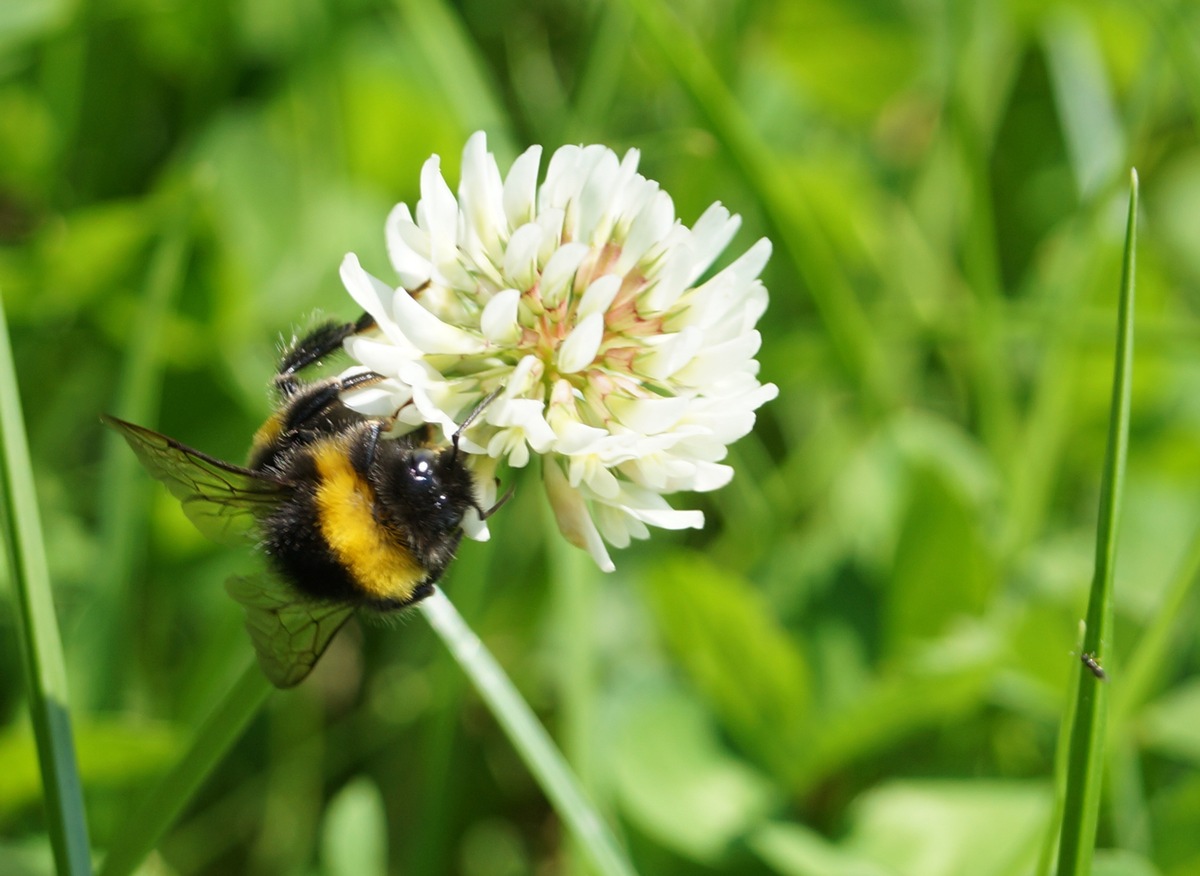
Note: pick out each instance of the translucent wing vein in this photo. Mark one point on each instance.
(290, 633)
(223, 500)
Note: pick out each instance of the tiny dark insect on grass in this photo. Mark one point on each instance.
(1093, 665)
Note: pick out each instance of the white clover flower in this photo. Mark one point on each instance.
(579, 297)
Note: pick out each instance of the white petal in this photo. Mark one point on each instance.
(599, 296)
(559, 275)
(573, 436)
(647, 416)
(668, 518)
(718, 361)
(673, 278)
(710, 476)
(581, 345)
(527, 415)
(408, 248)
(523, 379)
(481, 194)
(615, 525)
(499, 319)
(520, 187)
(666, 354)
(370, 294)
(595, 199)
(381, 355)
(571, 513)
(552, 221)
(521, 256)
(602, 482)
(377, 400)
(710, 235)
(649, 227)
(429, 333)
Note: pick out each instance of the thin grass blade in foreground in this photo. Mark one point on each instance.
(1085, 758)
(37, 632)
(527, 735)
(146, 825)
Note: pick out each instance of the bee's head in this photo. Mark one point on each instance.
(425, 489)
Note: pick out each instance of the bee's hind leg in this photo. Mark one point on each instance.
(313, 347)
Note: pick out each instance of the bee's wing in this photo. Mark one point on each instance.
(222, 499)
(290, 633)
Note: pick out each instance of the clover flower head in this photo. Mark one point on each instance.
(582, 297)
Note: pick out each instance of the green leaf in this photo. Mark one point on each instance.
(676, 781)
(951, 828)
(354, 835)
(796, 850)
(146, 823)
(1171, 725)
(111, 754)
(944, 569)
(737, 654)
(1117, 862)
(941, 681)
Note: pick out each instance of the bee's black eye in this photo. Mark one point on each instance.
(421, 466)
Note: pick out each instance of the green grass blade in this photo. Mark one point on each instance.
(456, 64)
(576, 590)
(122, 486)
(799, 230)
(147, 824)
(1085, 758)
(37, 631)
(528, 736)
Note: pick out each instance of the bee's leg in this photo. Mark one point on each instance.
(421, 592)
(317, 344)
(375, 429)
(508, 494)
(315, 399)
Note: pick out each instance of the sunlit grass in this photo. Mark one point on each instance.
(1085, 754)
(890, 589)
(37, 632)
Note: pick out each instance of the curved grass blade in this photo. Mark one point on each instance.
(146, 824)
(1085, 756)
(37, 632)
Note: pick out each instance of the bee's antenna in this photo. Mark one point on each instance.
(478, 409)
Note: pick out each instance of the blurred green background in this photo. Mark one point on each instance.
(859, 668)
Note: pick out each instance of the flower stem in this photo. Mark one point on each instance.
(37, 631)
(527, 735)
(575, 591)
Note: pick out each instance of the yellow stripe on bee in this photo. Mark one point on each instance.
(267, 432)
(382, 568)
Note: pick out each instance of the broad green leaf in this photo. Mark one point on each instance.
(943, 570)
(737, 654)
(949, 828)
(676, 781)
(795, 850)
(112, 754)
(1117, 862)
(1171, 725)
(354, 835)
(942, 681)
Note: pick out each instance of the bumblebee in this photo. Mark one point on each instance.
(346, 518)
